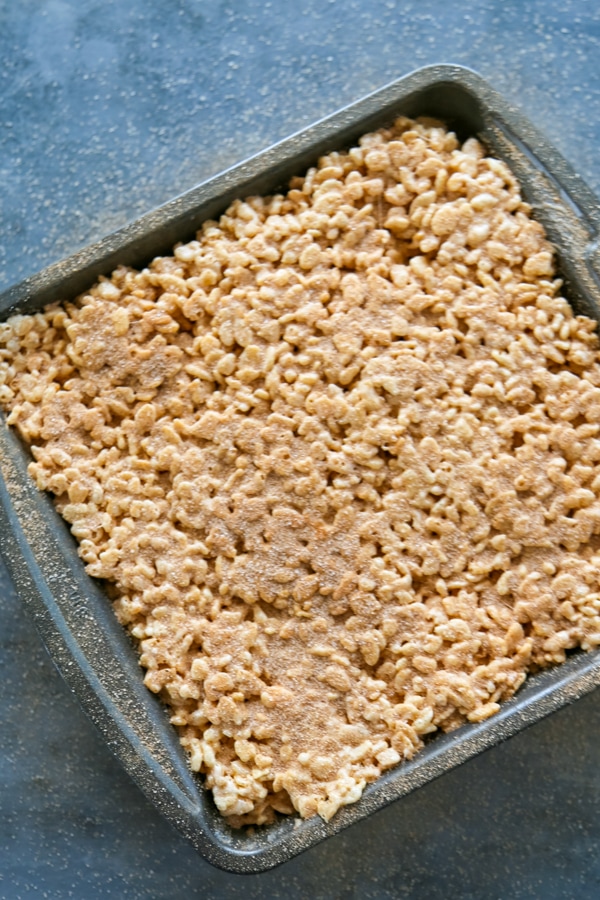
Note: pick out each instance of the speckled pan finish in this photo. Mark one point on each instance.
(75, 619)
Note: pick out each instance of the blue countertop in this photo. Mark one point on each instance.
(108, 110)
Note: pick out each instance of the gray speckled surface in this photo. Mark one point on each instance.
(107, 110)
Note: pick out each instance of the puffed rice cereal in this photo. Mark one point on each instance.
(339, 460)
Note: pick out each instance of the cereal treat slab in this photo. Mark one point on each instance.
(338, 460)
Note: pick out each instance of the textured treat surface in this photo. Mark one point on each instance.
(337, 458)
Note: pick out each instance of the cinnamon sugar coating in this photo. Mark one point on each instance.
(338, 459)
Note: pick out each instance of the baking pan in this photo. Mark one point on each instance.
(73, 614)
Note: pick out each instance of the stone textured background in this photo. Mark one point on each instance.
(109, 109)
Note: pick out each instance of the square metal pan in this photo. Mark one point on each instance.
(81, 633)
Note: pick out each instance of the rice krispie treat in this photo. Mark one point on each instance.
(338, 460)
